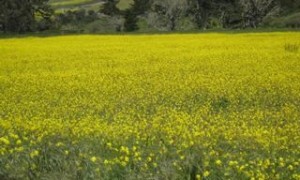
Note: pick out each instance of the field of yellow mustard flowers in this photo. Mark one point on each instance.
(194, 106)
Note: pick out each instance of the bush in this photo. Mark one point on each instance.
(292, 47)
(186, 24)
(104, 25)
(71, 28)
(290, 21)
(293, 21)
(131, 20)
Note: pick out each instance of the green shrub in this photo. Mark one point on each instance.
(292, 47)
(290, 21)
(105, 24)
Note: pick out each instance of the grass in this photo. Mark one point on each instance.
(169, 106)
(63, 5)
(68, 3)
(124, 4)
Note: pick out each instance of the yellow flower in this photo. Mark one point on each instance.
(218, 162)
(109, 145)
(125, 150)
(126, 159)
(123, 163)
(20, 149)
(4, 140)
(34, 153)
(198, 177)
(59, 144)
(19, 142)
(15, 136)
(281, 164)
(232, 163)
(206, 173)
(93, 159)
(136, 154)
(155, 164)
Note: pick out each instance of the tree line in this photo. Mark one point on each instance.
(167, 15)
(25, 15)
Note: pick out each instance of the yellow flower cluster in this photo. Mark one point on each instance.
(196, 106)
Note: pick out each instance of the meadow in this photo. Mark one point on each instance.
(176, 106)
(65, 5)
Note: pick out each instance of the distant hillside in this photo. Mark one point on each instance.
(64, 5)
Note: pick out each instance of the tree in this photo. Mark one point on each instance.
(131, 19)
(228, 13)
(200, 10)
(140, 7)
(170, 10)
(254, 11)
(290, 4)
(21, 15)
(91, 16)
(110, 8)
(203, 11)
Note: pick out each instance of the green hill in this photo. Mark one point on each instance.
(63, 5)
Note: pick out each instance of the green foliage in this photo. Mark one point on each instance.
(110, 7)
(131, 20)
(80, 16)
(292, 20)
(124, 4)
(104, 25)
(139, 7)
(290, 5)
(289, 21)
(292, 47)
(22, 15)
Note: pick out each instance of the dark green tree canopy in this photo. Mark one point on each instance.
(22, 15)
(140, 7)
(110, 7)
